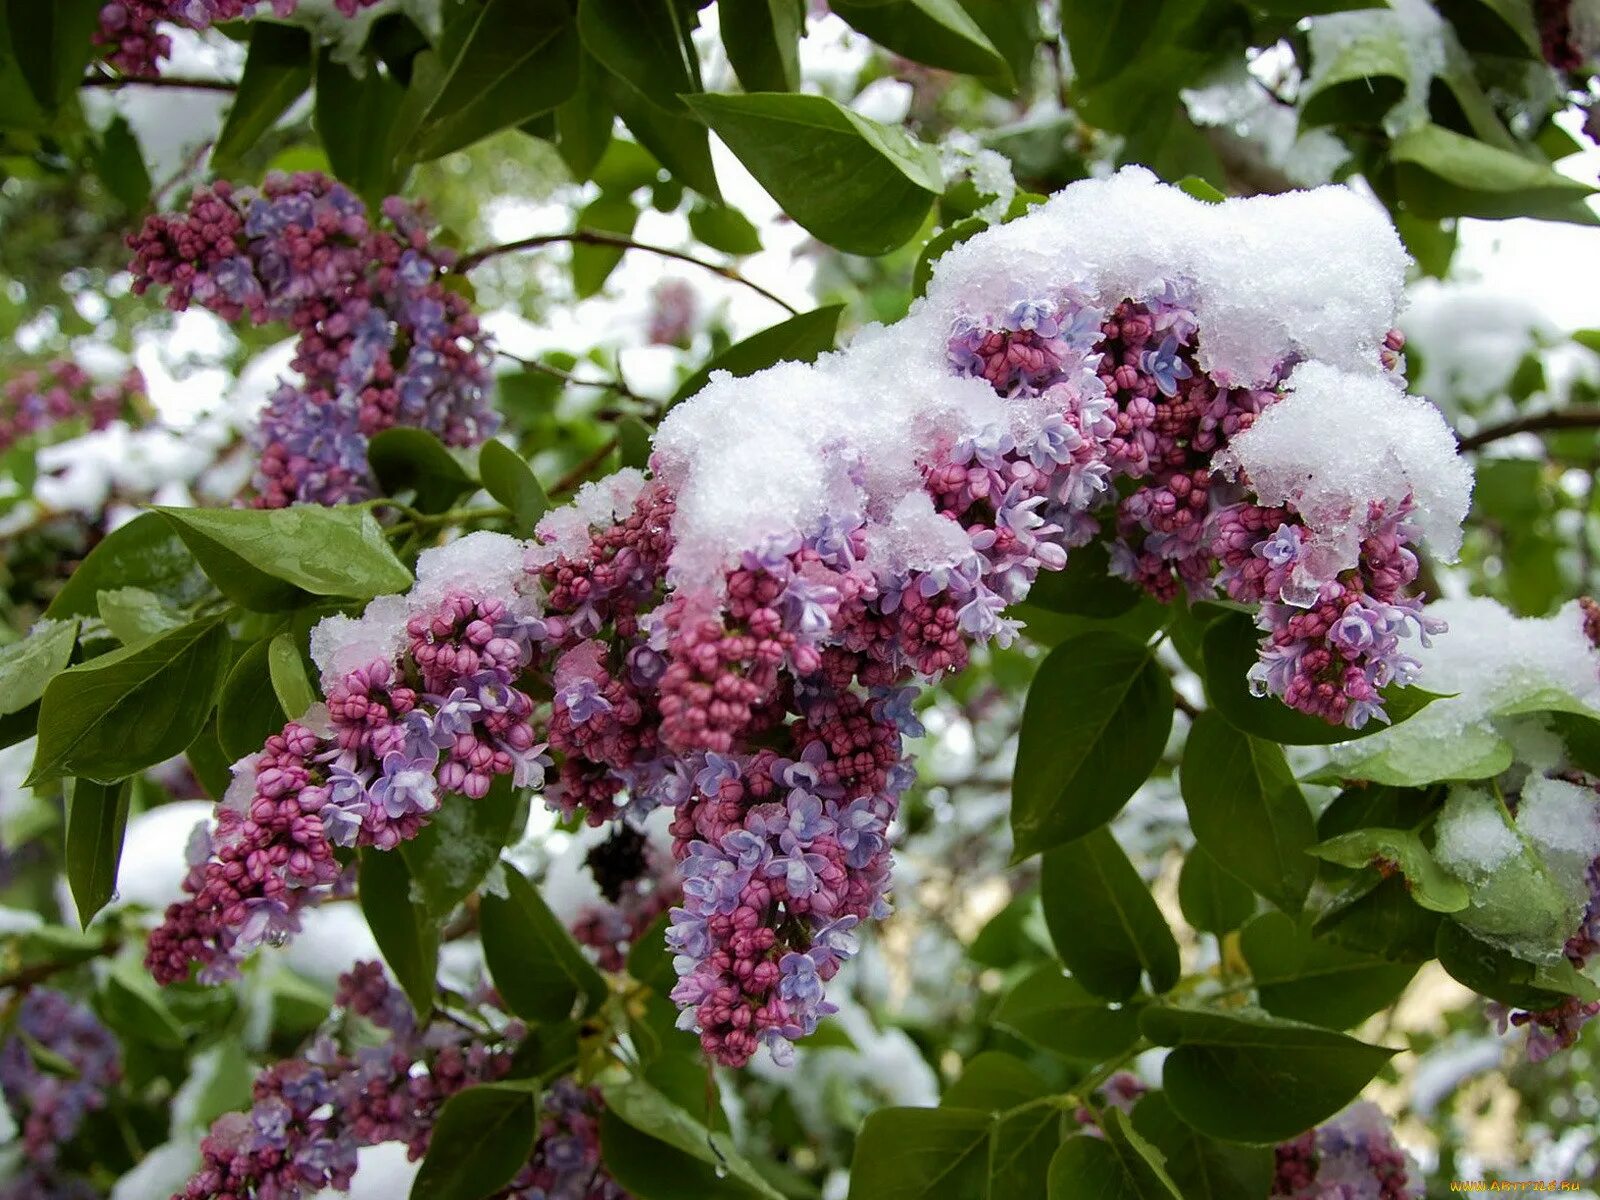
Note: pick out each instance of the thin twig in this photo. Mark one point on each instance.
(1571, 418)
(611, 385)
(596, 237)
(116, 83)
(579, 473)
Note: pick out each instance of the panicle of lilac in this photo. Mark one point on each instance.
(1352, 1157)
(49, 1107)
(61, 397)
(397, 739)
(674, 307)
(1155, 419)
(311, 1114)
(381, 342)
(133, 45)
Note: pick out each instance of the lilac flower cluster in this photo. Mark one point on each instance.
(49, 1106)
(381, 341)
(133, 44)
(566, 1163)
(367, 772)
(311, 1114)
(1352, 1157)
(62, 396)
(1148, 414)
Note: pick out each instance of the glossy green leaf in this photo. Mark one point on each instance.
(119, 161)
(724, 228)
(97, 817)
(54, 41)
(1020, 1145)
(1383, 921)
(921, 1154)
(519, 59)
(277, 72)
(1497, 27)
(857, 185)
(405, 459)
(583, 123)
(592, 264)
(1094, 726)
(799, 339)
(1212, 900)
(269, 558)
(1440, 173)
(135, 615)
(355, 119)
(135, 1008)
(644, 42)
(1248, 1077)
(145, 553)
(1128, 1168)
(1055, 1012)
(405, 935)
(677, 141)
(484, 1135)
(1202, 1167)
(1103, 920)
(1365, 77)
(762, 42)
(247, 707)
(124, 711)
(633, 443)
(1085, 587)
(1248, 812)
(1310, 979)
(1495, 972)
(451, 855)
(27, 666)
(1402, 850)
(511, 481)
(290, 683)
(992, 1081)
(939, 33)
(645, 1109)
(535, 964)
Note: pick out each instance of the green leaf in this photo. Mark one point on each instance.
(54, 41)
(593, 263)
(1104, 38)
(642, 1108)
(406, 936)
(457, 848)
(247, 709)
(857, 185)
(1094, 726)
(1212, 900)
(724, 228)
(1495, 972)
(633, 443)
(535, 964)
(484, 1135)
(645, 43)
(921, 1154)
(1365, 78)
(276, 74)
(1440, 173)
(1056, 1013)
(1310, 979)
(1085, 587)
(512, 482)
(1121, 1165)
(97, 816)
(1230, 650)
(1104, 922)
(27, 667)
(1247, 811)
(1020, 1146)
(939, 33)
(799, 339)
(124, 711)
(119, 162)
(1497, 27)
(267, 559)
(1203, 1168)
(1402, 850)
(1248, 1077)
(406, 459)
(135, 1008)
(953, 235)
(993, 1082)
(355, 119)
(1383, 921)
(145, 553)
(290, 683)
(678, 142)
(762, 41)
(134, 615)
(520, 59)
(1201, 189)
(583, 123)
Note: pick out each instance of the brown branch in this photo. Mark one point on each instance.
(1571, 418)
(596, 237)
(116, 83)
(611, 385)
(579, 473)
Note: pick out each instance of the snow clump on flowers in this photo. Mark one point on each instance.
(741, 637)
